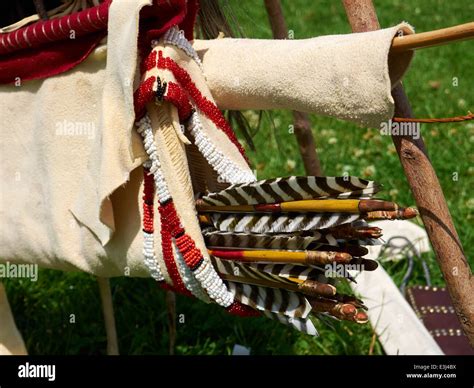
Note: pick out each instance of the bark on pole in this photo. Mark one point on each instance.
(302, 124)
(426, 191)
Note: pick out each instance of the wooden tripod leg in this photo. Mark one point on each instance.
(302, 124)
(426, 190)
(109, 318)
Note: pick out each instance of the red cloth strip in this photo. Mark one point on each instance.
(46, 61)
(68, 27)
(206, 106)
(45, 48)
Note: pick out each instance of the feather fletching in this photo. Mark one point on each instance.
(291, 189)
(278, 223)
(304, 325)
(272, 300)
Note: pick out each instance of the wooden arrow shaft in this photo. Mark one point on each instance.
(306, 206)
(433, 38)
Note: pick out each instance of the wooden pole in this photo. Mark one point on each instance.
(171, 312)
(302, 124)
(109, 319)
(426, 190)
(433, 38)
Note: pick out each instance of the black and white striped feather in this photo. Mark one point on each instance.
(216, 238)
(278, 223)
(294, 242)
(249, 295)
(304, 325)
(292, 189)
(301, 272)
(234, 268)
(273, 300)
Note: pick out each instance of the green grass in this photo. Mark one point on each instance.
(43, 309)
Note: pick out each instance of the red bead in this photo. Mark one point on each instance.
(237, 308)
(167, 249)
(142, 96)
(177, 97)
(149, 63)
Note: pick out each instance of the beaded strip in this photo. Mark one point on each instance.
(176, 37)
(172, 228)
(242, 310)
(148, 228)
(168, 256)
(227, 170)
(149, 62)
(188, 278)
(144, 129)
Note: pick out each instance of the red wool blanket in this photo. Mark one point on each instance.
(51, 47)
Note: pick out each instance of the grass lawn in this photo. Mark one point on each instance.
(43, 309)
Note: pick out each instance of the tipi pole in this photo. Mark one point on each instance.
(426, 190)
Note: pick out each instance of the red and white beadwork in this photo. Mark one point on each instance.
(206, 106)
(189, 279)
(227, 170)
(148, 229)
(144, 129)
(172, 230)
